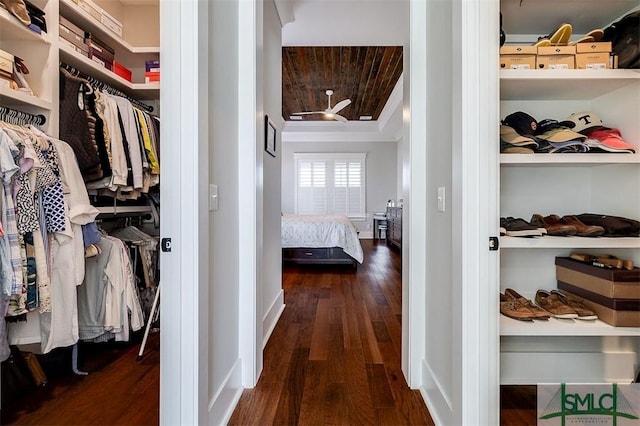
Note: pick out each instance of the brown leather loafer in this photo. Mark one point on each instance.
(553, 225)
(538, 313)
(583, 230)
(553, 304)
(513, 309)
(583, 312)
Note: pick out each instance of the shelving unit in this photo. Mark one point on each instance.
(559, 350)
(43, 52)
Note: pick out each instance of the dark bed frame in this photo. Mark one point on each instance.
(317, 256)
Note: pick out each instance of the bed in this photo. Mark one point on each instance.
(320, 239)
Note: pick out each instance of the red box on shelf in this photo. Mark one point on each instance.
(152, 77)
(122, 71)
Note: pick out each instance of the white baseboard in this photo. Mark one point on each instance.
(226, 398)
(272, 316)
(365, 235)
(435, 397)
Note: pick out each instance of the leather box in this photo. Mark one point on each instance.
(610, 283)
(72, 37)
(518, 57)
(97, 57)
(71, 26)
(556, 57)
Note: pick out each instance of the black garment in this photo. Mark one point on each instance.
(74, 127)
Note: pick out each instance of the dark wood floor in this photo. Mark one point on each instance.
(118, 390)
(333, 358)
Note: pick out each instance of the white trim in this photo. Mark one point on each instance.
(270, 319)
(435, 395)
(414, 234)
(226, 398)
(479, 108)
(247, 191)
(285, 11)
(394, 102)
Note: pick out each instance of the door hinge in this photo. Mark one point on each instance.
(165, 245)
(494, 243)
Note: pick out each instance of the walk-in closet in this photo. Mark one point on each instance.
(80, 211)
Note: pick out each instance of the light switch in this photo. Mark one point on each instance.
(213, 197)
(441, 198)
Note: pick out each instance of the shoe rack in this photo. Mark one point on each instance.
(558, 351)
(42, 53)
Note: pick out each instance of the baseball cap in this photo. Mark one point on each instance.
(561, 134)
(509, 135)
(522, 122)
(551, 124)
(585, 122)
(611, 140)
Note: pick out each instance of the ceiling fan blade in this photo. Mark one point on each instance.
(308, 112)
(339, 118)
(340, 105)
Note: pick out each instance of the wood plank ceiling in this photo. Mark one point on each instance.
(364, 74)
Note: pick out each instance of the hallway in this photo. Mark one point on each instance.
(334, 356)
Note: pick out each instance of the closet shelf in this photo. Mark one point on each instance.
(22, 100)
(77, 15)
(586, 159)
(563, 84)
(87, 66)
(546, 242)
(557, 327)
(111, 210)
(12, 29)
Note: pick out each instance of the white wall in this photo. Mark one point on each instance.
(381, 169)
(224, 261)
(272, 295)
(440, 360)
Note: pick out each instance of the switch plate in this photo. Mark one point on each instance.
(213, 197)
(441, 198)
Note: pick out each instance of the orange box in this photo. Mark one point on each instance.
(152, 77)
(121, 70)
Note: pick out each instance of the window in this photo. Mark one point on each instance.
(330, 183)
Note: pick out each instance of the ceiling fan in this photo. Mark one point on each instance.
(330, 112)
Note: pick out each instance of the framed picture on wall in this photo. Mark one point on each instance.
(269, 136)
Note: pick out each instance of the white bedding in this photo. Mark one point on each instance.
(312, 231)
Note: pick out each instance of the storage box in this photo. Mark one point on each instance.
(518, 57)
(99, 59)
(152, 66)
(556, 57)
(152, 77)
(616, 318)
(71, 26)
(611, 283)
(91, 9)
(98, 46)
(6, 62)
(593, 55)
(71, 36)
(121, 70)
(111, 23)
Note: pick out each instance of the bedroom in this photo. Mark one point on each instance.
(362, 67)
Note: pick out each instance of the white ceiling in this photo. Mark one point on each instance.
(348, 23)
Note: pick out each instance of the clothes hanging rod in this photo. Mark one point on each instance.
(106, 87)
(21, 118)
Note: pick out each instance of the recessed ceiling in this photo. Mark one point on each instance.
(364, 74)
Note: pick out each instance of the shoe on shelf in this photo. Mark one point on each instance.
(538, 313)
(560, 36)
(583, 312)
(511, 308)
(553, 225)
(583, 230)
(553, 304)
(517, 227)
